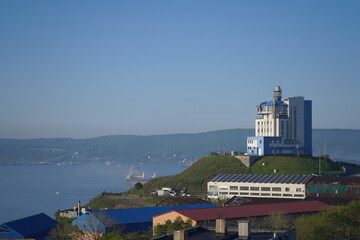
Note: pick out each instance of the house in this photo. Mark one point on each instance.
(126, 220)
(165, 191)
(33, 227)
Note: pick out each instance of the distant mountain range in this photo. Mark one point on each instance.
(340, 144)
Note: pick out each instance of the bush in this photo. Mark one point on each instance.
(138, 185)
(169, 226)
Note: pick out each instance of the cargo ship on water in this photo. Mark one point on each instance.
(133, 178)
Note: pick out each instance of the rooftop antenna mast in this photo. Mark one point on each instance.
(276, 98)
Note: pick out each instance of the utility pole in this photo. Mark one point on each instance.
(319, 163)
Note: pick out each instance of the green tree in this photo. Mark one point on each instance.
(138, 185)
(305, 226)
(169, 226)
(127, 236)
(162, 229)
(336, 222)
(64, 230)
(278, 220)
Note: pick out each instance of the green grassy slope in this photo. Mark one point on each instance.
(196, 177)
(294, 165)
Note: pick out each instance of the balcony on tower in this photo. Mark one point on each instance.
(279, 108)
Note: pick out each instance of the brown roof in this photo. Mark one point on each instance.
(174, 201)
(245, 211)
(240, 201)
(338, 180)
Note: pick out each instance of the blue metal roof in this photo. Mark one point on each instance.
(137, 215)
(270, 103)
(131, 219)
(32, 227)
(261, 178)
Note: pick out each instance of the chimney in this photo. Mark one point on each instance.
(244, 229)
(179, 235)
(78, 209)
(221, 227)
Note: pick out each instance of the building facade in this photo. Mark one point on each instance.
(258, 185)
(334, 187)
(282, 127)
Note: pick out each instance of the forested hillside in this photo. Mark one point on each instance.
(341, 143)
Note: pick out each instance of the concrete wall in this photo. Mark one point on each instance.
(247, 160)
(296, 118)
(68, 215)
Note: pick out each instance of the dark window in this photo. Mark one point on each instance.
(4, 230)
(254, 188)
(244, 193)
(234, 188)
(276, 189)
(276, 194)
(255, 193)
(287, 189)
(233, 193)
(244, 188)
(265, 189)
(287, 195)
(265, 194)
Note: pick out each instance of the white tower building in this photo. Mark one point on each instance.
(282, 126)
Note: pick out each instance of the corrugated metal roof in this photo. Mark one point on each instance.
(205, 214)
(138, 215)
(262, 178)
(241, 201)
(32, 226)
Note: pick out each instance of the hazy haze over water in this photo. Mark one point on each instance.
(28, 190)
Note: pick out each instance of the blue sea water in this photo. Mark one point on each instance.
(32, 189)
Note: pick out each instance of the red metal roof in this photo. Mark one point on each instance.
(251, 210)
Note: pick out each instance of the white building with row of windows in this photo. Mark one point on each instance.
(258, 185)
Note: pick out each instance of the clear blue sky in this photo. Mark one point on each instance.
(90, 68)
